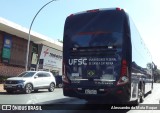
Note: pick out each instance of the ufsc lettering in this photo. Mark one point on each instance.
(77, 61)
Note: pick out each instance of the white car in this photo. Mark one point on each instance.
(31, 80)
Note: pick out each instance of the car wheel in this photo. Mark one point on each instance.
(9, 91)
(51, 87)
(28, 88)
(60, 85)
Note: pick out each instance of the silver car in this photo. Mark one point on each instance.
(29, 81)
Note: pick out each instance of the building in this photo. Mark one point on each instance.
(44, 53)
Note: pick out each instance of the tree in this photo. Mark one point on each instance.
(156, 74)
(59, 40)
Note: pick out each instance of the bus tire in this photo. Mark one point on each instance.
(151, 88)
(140, 94)
(142, 88)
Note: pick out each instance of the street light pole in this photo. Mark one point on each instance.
(29, 37)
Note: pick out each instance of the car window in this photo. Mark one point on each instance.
(43, 75)
(47, 75)
(40, 75)
(26, 74)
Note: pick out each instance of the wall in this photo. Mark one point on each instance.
(18, 51)
(6, 70)
(1, 45)
(18, 56)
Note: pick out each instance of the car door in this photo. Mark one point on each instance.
(47, 79)
(39, 82)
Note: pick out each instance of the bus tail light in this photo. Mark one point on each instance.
(71, 15)
(124, 68)
(65, 79)
(64, 76)
(119, 92)
(123, 80)
(93, 11)
(119, 9)
(63, 69)
(124, 74)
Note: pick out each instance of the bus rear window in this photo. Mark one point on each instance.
(93, 40)
(111, 21)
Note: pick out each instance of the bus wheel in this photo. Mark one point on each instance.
(140, 94)
(151, 88)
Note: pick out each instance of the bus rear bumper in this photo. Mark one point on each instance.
(117, 94)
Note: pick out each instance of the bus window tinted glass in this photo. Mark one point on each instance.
(97, 40)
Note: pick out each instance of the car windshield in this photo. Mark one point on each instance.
(26, 74)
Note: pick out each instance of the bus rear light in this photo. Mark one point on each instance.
(93, 11)
(63, 68)
(65, 79)
(123, 80)
(119, 92)
(124, 74)
(124, 68)
(71, 15)
(119, 9)
(64, 76)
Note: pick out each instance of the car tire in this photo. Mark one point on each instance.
(60, 85)
(9, 91)
(51, 87)
(28, 88)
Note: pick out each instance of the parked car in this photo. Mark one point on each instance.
(31, 80)
(58, 81)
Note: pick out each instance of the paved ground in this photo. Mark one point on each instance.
(1, 88)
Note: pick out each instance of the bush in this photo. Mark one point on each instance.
(2, 79)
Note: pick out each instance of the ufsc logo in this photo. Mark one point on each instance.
(77, 61)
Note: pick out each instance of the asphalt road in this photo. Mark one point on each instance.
(33, 98)
(56, 98)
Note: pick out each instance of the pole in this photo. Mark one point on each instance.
(29, 37)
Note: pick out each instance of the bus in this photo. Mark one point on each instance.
(104, 56)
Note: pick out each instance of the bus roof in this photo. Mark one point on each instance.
(97, 10)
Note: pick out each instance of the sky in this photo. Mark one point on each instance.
(50, 21)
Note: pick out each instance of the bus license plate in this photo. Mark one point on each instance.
(90, 91)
